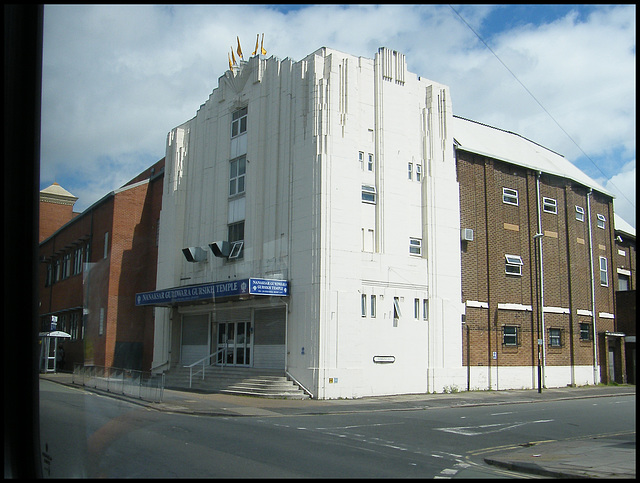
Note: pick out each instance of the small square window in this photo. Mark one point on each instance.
(513, 265)
(369, 194)
(585, 331)
(510, 335)
(549, 205)
(510, 196)
(239, 122)
(579, 213)
(601, 221)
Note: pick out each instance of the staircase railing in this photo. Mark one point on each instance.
(202, 361)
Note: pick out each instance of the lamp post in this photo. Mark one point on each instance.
(538, 236)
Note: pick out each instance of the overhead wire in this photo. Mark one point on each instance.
(609, 181)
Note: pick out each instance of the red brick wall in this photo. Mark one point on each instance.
(501, 229)
(52, 217)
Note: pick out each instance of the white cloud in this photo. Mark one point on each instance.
(116, 79)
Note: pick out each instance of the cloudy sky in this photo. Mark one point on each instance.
(116, 79)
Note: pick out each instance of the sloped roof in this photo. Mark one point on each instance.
(57, 194)
(622, 226)
(512, 148)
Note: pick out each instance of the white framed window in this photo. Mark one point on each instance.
(410, 171)
(579, 213)
(236, 250)
(555, 337)
(368, 194)
(425, 309)
(363, 305)
(585, 331)
(418, 172)
(601, 221)
(416, 309)
(604, 275)
(510, 196)
(513, 265)
(237, 172)
(549, 205)
(415, 246)
(396, 311)
(510, 335)
(239, 122)
(373, 306)
(370, 162)
(361, 159)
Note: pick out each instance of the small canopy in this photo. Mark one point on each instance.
(55, 333)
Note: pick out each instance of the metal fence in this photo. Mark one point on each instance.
(128, 382)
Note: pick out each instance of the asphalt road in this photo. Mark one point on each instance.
(84, 434)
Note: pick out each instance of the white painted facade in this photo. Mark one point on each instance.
(310, 129)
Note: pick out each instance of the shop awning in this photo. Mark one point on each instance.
(213, 291)
(55, 333)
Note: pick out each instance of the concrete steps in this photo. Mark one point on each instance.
(236, 380)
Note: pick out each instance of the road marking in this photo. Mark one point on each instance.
(489, 428)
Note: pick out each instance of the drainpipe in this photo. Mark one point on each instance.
(541, 337)
(593, 292)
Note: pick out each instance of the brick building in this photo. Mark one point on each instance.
(536, 233)
(56, 209)
(92, 266)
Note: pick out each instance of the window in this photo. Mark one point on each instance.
(239, 122)
(418, 172)
(396, 311)
(415, 246)
(363, 305)
(425, 309)
(77, 261)
(623, 282)
(510, 335)
(604, 277)
(549, 205)
(361, 159)
(585, 331)
(236, 240)
(510, 196)
(66, 265)
(579, 213)
(373, 306)
(370, 162)
(237, 171)
(101, 324)
(555, 339)
(410, 171)
(601, 221)
(49, 280)
(57, 271)
(513, 265)
(416, 308)
(106, 245)
(369, 194)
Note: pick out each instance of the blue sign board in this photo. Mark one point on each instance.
(210, 291)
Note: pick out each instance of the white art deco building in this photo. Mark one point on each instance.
(310, 223)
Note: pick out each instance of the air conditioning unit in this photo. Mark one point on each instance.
(220, 249)
(466, 234)
(194, 254)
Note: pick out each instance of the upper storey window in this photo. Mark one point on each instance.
(510, 196)
(239, 122)
(237, 172)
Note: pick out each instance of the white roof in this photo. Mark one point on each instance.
(512, 148)
(622, 226)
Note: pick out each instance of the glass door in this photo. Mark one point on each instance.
(234, 339)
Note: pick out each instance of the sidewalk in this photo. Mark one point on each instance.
(607, 456)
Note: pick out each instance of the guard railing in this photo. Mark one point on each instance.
(128, 382)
